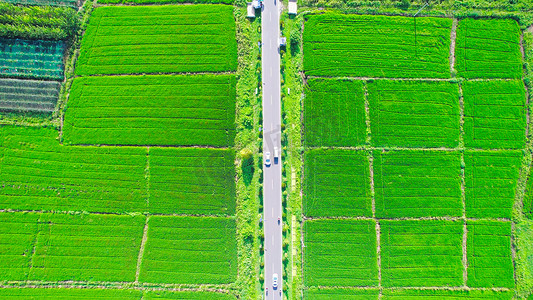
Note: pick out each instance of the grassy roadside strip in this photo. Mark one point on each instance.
(247, 147)
(291, 96)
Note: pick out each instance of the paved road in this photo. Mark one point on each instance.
(271, 138)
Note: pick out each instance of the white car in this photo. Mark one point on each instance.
(267, 159)
(275, 280)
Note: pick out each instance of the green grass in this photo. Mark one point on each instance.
(495, 114)
(164, 1)
(68, 293)
(417, 184)
(159, 39)
(194, 295)
(17, 237)
(488, 48)
(31, 59)
(421, 253)
(337, 183)
(491, 179)
(376, 46)
(39, 174)
(190, 250)
(192, 181)
(334, 294)
(334, 113)
(152, 110)
(28, 95)
(490, 261)
(396, 294)
(528, 198)
(340, 253)
(414, 113)
(87, 247)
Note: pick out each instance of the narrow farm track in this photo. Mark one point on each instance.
(271, 139)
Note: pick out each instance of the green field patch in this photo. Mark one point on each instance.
(488, 48)
(31, 59)
(376, 46)
(71, 3)
(69, 293)
(490, 261)
(334, 113)
(491, 179)
(159, 39)
(421, 253)
(414, 114)
(28, 95)
(192, 181)
(17, 238)
(87, 247)
(340, 253)
(152, 110)
(396, 294)
(495, 114)
(334, 294)
(417, 184)
(37, 173)
(191, 295)
(337, 183)
(190, 250)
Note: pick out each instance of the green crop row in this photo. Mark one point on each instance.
(488, 49)
(376, 46)
(415, 114)
(104, 247)
(39, 174)
(403, 294)
(340, 253)
(184, 110)
(106, 294)
(414, 253)
(31, 59)
(28, 95)
(159, 39)
(337, 183)
(184, 250)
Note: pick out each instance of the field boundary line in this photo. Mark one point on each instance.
(453, 36)
(158, 4)
(105, 285)
(34, 246)
(378, 256)
(147, 177)
(440, 218)
(464, 245)
(159, 74)
(141, 250)
(150, 145)
(421, 288)
(81, 212)
(372, 148)
(452, 80)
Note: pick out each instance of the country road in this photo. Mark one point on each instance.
(272, 138)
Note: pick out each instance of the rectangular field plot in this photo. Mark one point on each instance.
(29, 95)
(488, 48)
(334, 113)
(421, 253)
(337, 183)
(190, 250)
(495, 114)
(489, 254)
(36, 173)
(189, 295)
(417, 184)
(69, 294)
(491, 179)
(340, 253)
(192, 181)
(159, 39)
(152, 110)
(17, 238)
(377, 46)
(87, 247)
(396, 294)
(343, 293)
(31, 59)
(414, 114)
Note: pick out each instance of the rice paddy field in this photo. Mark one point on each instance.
(414, 134)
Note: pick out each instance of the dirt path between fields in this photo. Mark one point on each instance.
(453, 36)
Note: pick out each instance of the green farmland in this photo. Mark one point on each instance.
(159, 39)
(28, 95)
(185, 110)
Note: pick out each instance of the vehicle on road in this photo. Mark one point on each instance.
(275, 280)
(276, 155)
(279, 220)
(267, 159)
